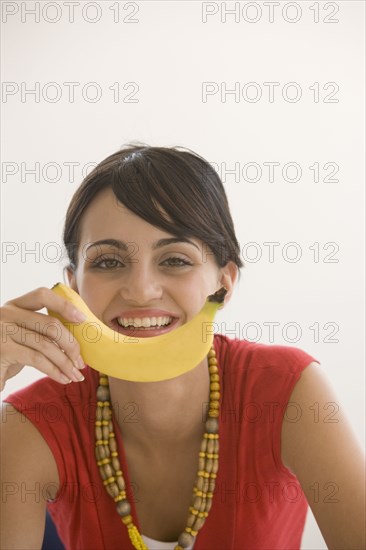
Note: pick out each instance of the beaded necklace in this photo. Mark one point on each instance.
(208, 462)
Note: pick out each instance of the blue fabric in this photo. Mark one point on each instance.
(51, 539)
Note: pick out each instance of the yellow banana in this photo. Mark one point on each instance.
(142, 359)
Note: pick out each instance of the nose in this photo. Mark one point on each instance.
(141, 287)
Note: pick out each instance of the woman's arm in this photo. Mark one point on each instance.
(28, 472)
(323, 453)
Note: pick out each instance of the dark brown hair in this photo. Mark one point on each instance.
(171, 188)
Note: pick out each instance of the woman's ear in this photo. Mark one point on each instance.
(71, 278)
(228, 277)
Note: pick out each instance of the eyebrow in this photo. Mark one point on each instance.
(121, 245)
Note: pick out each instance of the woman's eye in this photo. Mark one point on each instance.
(107, 263)
(176, 262)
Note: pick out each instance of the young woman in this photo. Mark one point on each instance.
(211, 459)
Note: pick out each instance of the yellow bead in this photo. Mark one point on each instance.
(109, 480)
(127, 520)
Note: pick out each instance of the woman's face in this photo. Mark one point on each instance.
(138, 279)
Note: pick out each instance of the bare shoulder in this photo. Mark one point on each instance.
(321, 449)
(28, 478)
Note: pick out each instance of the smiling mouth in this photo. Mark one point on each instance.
(145, 323)
(158, 325)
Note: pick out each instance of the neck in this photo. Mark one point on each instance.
(157, 413)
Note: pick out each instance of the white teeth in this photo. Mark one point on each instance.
(144, 322)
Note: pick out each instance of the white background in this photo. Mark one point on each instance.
(169, 52)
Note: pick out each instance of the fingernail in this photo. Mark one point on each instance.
(79, 363)
(79, 315)
(65, 379)
(78, 377)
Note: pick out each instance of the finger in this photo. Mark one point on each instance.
(45, 297)
(44, 356)
(16, 320)
(36, 342)
(21, 355)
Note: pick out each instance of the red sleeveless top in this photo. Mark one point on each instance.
(257, 504)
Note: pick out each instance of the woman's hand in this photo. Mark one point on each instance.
(38, 340)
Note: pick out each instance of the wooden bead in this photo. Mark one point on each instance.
(113, 444)
(198, 523)
(99, 413)
(201, 463)
(209, 465)
(123, 508)
(197, 503)
(199, 483)
(121, 483)
(112, 489)
(204, 445)
(210, 446)
(203, 505)
(103, 393)
(100, 452)
(190, 521)
(211, 486)
(212, 426)
(185, 540)
(98, 433)
(106, 432)
(108, 470)
(115, 463)
(208, 505)
(106, 413)
(205, 485)
(215, 466)
(102, 473)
